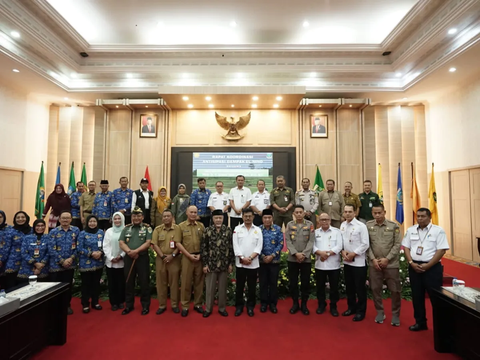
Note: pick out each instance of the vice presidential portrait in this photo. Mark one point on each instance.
(319, 125)
(148, 125)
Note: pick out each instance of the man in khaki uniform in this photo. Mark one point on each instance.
(282, 200)
(86, 201)
(164, 240)
(383, 254)
(192, 270)
(308, 199)
(332, 203)
(350, 198)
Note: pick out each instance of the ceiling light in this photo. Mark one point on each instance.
(306, 24)
(233, 23)
(452, 69)
(313, 74)
(233, 105)
(255, 98)
(210, 105)
(405, 99)
(275, 105)
(185, 98)
(452, 31)
(254, 106)
(73, 75)
(116, 106)
(146, 105)
(349, 105)
(129, 76)
(190, 106)
(65, 98)
(208, 98)
(319, 105)
(16, 70)
(398, 74)
(15, 34)
(279, 98)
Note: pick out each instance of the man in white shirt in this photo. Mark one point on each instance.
(355, 245)
(327, 247)
(240, 198)
(260, 202)
(247, 245)
(219, 201)
(143, 199)
(424, 244)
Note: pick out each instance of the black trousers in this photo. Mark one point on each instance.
(250, 277)
(302, 269)
(90, 286)
(234, 222)
(430, 279)
(257, 220)
(140, 269)
(104, 224)
(116, 285)
(205, 220)
(146, 216)
(78, 223)
(355, 279)
(65, 276)
(268, 276)
(333, 279)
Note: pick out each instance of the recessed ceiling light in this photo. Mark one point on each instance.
(255, 98)
(146, 105)
(185, 98)
(116, 106)
(279, 98)
(16, 70)
(319, 105)
(129, 76)
(233, 105)
(452, 31)
(398, 74)
(211, 105)
(452, 69)
(254, 105)
(15, 34)
(306, 24)
(65, 98)
(190, 106)
(208, 98)
(405, 99)
(275, 105)
(313, 74)
(349, 105)
(233, 23)
(73, 75)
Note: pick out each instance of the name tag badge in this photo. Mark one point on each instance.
(414, 237)
(99, 243)
(330, 203)
(420, 250)
(126, 201)
(224, 202)
(285, 198)
(105, 203)
(370, 204)
(172, 244)
(36, 252)
(265, 201)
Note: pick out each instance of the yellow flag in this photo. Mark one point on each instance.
(432, 198)
(379, 183)
(415, 196)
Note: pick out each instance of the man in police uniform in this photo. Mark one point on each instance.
(383, 254)
(308, 199)
(164, 240)
(192, 270)
(351, 198)
(282, 200)
(300, 237)
(135, 240)
(332, 203)
(219, 201)
(368, 198)
(424, 244)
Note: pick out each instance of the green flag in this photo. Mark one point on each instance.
(71, 182)
(83, 179)
(318, 184)
(40, 198)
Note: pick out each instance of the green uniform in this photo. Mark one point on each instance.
(283, 198)
(368, 201)
(352, 199)
(332, 203)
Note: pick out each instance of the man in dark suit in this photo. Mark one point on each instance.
(149, 128)
(318, 128)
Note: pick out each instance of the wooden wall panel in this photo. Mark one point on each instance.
(119, 134)
(99, 154)
(88, 144)
(349, 148)
(408, 156)
(369, 147)
(422, 168)
(381, 136)
(395, 156)
(52, 155)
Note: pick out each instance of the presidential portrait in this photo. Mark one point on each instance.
(319, 125)
(148, 125)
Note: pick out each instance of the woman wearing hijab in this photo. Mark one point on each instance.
(179, 204)
(160, 203)
(21, 228)
(90, 250)
(34, 254)
(59, 202)
(114, 262)
(5, 244)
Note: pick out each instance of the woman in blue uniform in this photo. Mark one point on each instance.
(90, 250)
(34, 254)
(5, 244)
(21, 228)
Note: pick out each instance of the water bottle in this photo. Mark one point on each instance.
(454, 282)
(2, 294)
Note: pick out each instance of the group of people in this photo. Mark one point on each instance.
(199, 240)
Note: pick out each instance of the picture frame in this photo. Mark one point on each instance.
(319, 126)
(146, 129)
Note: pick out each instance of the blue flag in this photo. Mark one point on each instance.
(58, 180)
(399, 212)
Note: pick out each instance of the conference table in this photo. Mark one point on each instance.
(456, 321)
(39, 321)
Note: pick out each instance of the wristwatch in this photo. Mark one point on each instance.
(242, 257)
(328, 253)
(173, 254)
(410, 262)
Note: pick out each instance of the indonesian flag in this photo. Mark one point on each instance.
(147, 176)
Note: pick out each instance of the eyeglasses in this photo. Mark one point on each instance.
(324, 219)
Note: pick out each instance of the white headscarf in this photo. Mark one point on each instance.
(115, 235)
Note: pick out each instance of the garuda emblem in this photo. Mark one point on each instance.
(233, 126)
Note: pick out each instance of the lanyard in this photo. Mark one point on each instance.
(426, 235)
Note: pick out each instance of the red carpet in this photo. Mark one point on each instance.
(468, 273)
(108, 335)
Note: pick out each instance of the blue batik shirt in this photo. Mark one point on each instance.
(5, 245)
(103, 205)
(74, 199)
(62, 245)
(34, 251)
(15, 257)
(88, 243)
(272, 242)
(122, 200)
(199, 198)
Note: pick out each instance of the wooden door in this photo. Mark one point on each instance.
(461, 220)
(475, 210)
(10, 192)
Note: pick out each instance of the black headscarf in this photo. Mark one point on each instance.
(35, 223)
(25, 228)
(87, 228)
(4, 223)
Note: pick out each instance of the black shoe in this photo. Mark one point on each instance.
(250, 312)
(334, 312)
(160, 311)
(86, 310)
(358, 317)
(238, 311)
(98, 307)
(176, 310)
(223, 313)
(273, 308)
(418, 327)
(198, 309)
(294, 308)
(184, 312)
(145, 311)
(121, 306)
(127, 311)
(114, 307)
(348, 313)
(304, 309)
(263, 308)
(206, 314)
(69, 311)
(320, 310)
